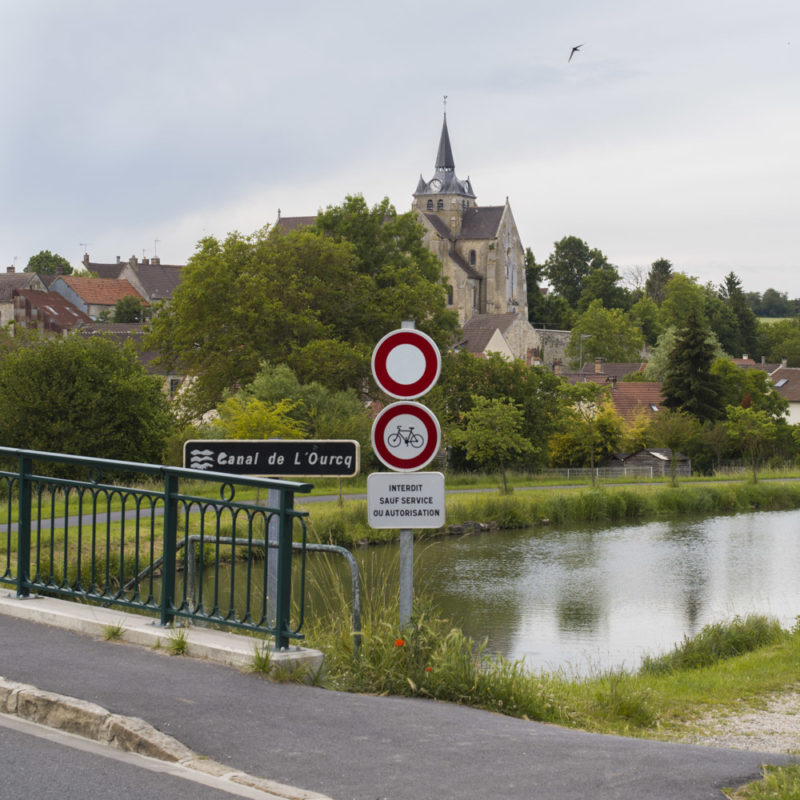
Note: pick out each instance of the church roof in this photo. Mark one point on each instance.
(481, 223)
(444, 180)
(444, 156)
(479, 329)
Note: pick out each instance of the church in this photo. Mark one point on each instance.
(483, 261)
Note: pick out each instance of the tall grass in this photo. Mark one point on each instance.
(347, 525)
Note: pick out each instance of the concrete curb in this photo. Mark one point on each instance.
(129, 734)
(220, 647)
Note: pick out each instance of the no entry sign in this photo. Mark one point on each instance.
(406, 436)
(406, 363)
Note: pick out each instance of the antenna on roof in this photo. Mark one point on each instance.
(155, 247)
(144, 251)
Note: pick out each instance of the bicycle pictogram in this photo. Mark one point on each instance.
(405, 436)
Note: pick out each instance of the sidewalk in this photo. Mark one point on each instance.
(357, 747)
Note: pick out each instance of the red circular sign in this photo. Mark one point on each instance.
(406, 363)
(406, 436)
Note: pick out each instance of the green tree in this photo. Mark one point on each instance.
(644, 313)
(678, 432)
(47, 263)
(130, 309)
(753, 430)
(689, 384)
(591, 429)
(746, 321)
(602, 284)
(657, 279)
(293, 297)
(682, 296)
(535, 390)
(748, 388)
(84, 396)
(779, 340)
(492, 437)
(251, 418)
(568, 266)
(604, 333)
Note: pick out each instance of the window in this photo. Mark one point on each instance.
(472, 257)
(430, 205)
(449, 295)
(781, 382)
(440, 205)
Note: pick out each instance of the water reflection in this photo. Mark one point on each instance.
(594, 598)
(584, 598)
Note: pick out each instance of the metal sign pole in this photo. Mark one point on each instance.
(406, 576)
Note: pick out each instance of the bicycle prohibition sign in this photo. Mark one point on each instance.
(406, 436)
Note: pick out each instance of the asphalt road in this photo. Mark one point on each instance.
(357, 747)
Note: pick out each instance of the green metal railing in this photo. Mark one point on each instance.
(79, 528)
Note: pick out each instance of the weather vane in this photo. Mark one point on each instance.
(444, 103)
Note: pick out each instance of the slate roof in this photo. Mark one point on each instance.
(9, 281)
(439, 226)
(55, 307)
(790, 390)
(293, 223)
(479, 329)
(122, 332)
(109, 271)
(100, 291)
(481, 223)
(462, 263)
(158, 280)
(614, 369)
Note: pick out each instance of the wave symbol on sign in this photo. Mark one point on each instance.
(201, 459)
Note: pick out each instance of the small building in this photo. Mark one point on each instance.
(650, 461)
(152, 279)
(786, 381)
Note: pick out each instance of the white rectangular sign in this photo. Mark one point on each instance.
(405, 500)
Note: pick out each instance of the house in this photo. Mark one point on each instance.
(152, 280)
(46, 311)
(650, 461)
(786, 381)
(93, 295)
(10, 281)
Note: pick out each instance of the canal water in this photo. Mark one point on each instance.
(596, 598)
(592, 598)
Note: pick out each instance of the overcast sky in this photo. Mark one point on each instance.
(674, 132)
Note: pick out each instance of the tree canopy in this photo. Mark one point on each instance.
(47, 263)
(300, 298)
(82, 396)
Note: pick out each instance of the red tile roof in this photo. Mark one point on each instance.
(100, 291)
(630, 399)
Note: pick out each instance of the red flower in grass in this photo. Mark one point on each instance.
(428, 669)
(399, 643)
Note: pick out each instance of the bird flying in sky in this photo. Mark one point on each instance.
(573, 51)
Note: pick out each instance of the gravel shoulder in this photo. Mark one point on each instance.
(775, 728)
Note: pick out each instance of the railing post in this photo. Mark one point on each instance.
(170, 539)
(283, 598)
(24, 527)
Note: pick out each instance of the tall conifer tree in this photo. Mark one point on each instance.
(689, 384)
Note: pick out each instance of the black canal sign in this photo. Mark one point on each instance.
(315, 458)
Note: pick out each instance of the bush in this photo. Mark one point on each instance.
(717, 642)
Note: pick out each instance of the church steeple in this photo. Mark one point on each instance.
(444, 157)
(444, 182)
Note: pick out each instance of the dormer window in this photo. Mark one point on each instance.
(430, 205)
(440, 205)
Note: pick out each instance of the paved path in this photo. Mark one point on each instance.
(357, 747)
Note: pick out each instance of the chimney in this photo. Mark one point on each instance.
(598, 366)
(155, 260)
(118, 259)
(784, 363)
(85, 259)
(763, 359)
(133, 261)
(745, 356)
(11, 269)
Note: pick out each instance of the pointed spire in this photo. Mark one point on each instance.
(444, 158)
